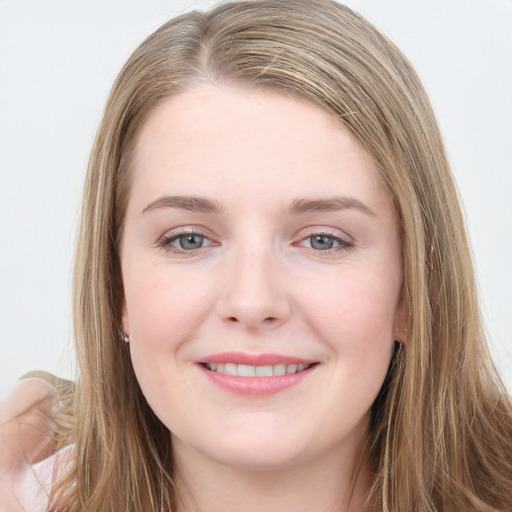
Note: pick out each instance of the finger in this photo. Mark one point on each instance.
(52, 379)
(26, 427)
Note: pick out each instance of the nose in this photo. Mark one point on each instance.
(254, 295)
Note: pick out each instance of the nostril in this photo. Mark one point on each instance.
(267, 320)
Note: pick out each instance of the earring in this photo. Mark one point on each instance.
(125, 337)
(401, 332)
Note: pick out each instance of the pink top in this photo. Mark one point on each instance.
(37, 484)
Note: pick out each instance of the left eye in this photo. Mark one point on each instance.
(324, 242)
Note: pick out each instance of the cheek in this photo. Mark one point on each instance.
(164, 307)
(164, 310)
(354, 314)
(361, 307)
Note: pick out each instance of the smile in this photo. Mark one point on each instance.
(256, 375)
(246, 370)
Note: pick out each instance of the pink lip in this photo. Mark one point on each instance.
(253, 360)
(255, 386)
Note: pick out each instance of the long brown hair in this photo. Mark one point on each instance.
(441, 431)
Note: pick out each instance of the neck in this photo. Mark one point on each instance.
(329, 483)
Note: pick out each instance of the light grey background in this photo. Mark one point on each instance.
(57, 61)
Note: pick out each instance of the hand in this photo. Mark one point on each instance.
(26, 435)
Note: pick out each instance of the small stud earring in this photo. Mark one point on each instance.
(125, 337)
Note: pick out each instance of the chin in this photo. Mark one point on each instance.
(257, 449)
(257, 458)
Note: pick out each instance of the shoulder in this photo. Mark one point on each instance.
(41, 477)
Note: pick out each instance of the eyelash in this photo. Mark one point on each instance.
(166, 242)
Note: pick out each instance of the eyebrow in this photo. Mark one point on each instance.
(330, 204)
(194, 204)
(297, 207)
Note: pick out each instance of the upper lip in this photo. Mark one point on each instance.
(254, 359)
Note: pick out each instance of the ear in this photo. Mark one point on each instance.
(400, 324)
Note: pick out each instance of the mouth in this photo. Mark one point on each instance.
(256, 375)
(247, 370)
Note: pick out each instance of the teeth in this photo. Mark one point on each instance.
(279, 369)
(246, 370)
(230, 369)
(291, 368)
(264, 371)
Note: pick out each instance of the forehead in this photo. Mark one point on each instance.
(220, 139)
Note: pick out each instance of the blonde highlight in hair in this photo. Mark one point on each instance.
(429, 444)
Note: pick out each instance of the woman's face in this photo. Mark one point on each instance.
(262, 272)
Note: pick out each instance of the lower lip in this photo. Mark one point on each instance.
(256, 386)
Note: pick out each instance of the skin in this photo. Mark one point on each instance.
(258, 284)
(26, 433)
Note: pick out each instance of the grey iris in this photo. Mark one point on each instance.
(322, 242)
(191, 241)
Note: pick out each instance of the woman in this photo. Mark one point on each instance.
(273, 267)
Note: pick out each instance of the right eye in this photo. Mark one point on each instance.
(189, 242)
(184, 242)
